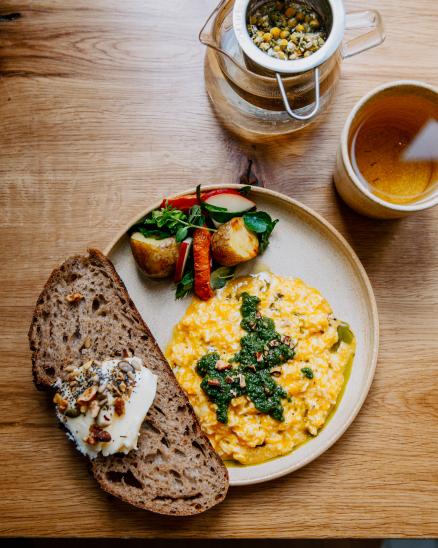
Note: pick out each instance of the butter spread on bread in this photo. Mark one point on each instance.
(106, 404)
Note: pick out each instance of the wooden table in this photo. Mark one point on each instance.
(103, 110)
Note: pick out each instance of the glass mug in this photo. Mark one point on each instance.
(421, 150)
(274, 96)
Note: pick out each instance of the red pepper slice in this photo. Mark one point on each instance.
(183, 203)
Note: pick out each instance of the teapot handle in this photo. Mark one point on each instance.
(363, 20)
(206, 36)
(286, 102)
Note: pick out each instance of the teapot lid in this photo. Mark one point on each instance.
(333, 41)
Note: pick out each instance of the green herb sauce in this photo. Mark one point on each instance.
(261, 350)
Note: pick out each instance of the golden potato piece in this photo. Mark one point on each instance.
(155, 258)
(233, 243)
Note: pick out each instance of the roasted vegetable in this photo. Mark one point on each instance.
(183, 203)
(202, 263)
(155, 258)
(234, 243)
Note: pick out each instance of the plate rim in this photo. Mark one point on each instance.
(369, 293)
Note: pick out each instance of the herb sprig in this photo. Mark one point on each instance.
(168, 221)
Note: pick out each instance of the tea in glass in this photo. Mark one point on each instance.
(393, 148)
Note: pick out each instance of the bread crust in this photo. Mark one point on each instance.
(97, 465)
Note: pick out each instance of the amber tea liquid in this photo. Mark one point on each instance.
(393, 148)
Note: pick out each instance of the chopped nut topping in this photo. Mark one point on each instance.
(258, 315)
(102, 435)
(122, 386)
(70, 368)
(83, 408)
(274, 343)
(87, 343)
(62, 406)
(266, 390)
(131, 375)
(94, 408)
(125, 367)
(285, 323)
(74, 297)
(87, 365)
(119, 406)
(242, 381)
(228, 379)
(293, 343)
(222, 365)
(88, 395)
(57, 398)
(252, 325)
(214, 382)
(266, 348)
(96, 435)
(116, 389)
(276, 371)
(259, 356)
(90, 439)
(136, 364)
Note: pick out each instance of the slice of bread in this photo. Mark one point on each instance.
(175, 469)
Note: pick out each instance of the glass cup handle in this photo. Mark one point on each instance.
(206, 36)
(363, 20)
(286, 101)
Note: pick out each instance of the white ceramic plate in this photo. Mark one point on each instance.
(305, 246)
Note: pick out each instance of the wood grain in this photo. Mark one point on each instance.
(103, 110)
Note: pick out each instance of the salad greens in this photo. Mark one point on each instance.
(169, 221)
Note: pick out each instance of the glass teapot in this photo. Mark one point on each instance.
(279, 96)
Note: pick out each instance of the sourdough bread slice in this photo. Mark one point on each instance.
(175, 469)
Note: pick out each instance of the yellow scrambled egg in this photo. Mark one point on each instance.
(298, 311)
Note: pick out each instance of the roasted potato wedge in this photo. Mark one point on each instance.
(155, 258)
(233, 243)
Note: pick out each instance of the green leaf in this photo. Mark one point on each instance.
(220, 276)
(181, 234)
(258, 221)
(264, 237)
(200, 221)
(154, 233)
(185, 285)
(188, 279)
(148, 221)
(180, 292)
(245, 190)
(194, 213)
(198, 194)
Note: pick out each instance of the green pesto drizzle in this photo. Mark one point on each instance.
(261, 350)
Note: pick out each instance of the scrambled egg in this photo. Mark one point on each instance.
(298, 311)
